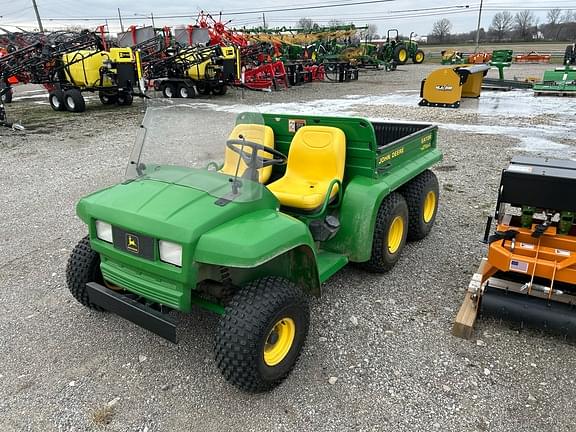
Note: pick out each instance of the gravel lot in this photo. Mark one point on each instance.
(386, 338)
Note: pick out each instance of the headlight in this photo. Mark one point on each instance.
(104, 231)
(170, 252)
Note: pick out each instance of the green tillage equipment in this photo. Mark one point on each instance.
(559, 82)
(503, 59)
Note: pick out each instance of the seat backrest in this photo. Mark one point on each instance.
(257, 133)
(317, 153)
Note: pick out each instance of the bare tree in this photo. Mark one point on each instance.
(336, 23)
(524, 21)
(569, 25)
(371, 31)
(502, 24)
(441, 29)
(306, 24)
(568, 16)
(553, 16)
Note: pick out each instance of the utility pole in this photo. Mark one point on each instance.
(120, 18)
(478, 28)
(37, 16)
(152, 18)
(263, 20)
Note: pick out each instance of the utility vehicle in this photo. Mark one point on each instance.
(296, 199)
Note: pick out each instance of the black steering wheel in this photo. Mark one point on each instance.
(252, 159)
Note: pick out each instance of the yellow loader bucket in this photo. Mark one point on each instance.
(445, 87)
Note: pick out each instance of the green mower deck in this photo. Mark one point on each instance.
(559, 82)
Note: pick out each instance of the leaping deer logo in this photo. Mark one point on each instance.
(132, 243)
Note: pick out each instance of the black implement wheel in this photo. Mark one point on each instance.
(400, 54)
(169, 91)
(568, 54)
(56, 99)
(220, 90)
(421, 195)
(83, 267)
(261, 334)
(107, 98)
(125, 99)
(203, 88)
(185, 91)
(418, 57)
(6, 97)
(74, 101)
(389, 234)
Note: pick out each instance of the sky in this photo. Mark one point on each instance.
(405, 15)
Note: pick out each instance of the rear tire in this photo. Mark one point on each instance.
(568, 54)
(421, 195)
(262, 332)
(7, 97)
(169, 91)
(400, 54)
(107, 98)
(220, 90)
(186, 92)
(83, 267)
(56, 99)
(390, 233)
(203, 88)
(125, 99)
(74, 101)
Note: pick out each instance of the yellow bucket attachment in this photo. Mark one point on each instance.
(446, 86)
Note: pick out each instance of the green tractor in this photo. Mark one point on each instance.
(415, 53)
(394, 50)
(295, 200)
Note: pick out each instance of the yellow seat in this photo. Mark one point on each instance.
(257, 133)
(317, 156)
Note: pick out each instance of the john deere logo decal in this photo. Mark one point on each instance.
(132, 243)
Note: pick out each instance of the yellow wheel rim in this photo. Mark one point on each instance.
(402, 55)
(429, 206)
(279, 341)
(419, 57)
(395, 234)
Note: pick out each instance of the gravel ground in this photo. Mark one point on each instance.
(386, 338)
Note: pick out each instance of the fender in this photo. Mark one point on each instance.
(362, 199)
(262, 242)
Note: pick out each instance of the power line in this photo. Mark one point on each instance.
(260, 11)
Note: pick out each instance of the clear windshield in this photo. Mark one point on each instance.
(184, 143)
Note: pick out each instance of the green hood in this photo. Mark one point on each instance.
(165, 210)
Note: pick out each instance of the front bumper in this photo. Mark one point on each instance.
(132, 310)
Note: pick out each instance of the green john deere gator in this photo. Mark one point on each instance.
(295, 200)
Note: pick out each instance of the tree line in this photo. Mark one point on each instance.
(507, 27)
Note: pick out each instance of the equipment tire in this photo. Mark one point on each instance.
(203, 88)
(419, 57)
(169, 91)
(125, 99)
(220, 90)
(186, 92)
(83, 267)
(568, 54)
(56, 99)
(74, 101)
(263, 310)
(7, 97)
(421, 195)
(390, 233)
(107, 98)
(400, 54)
